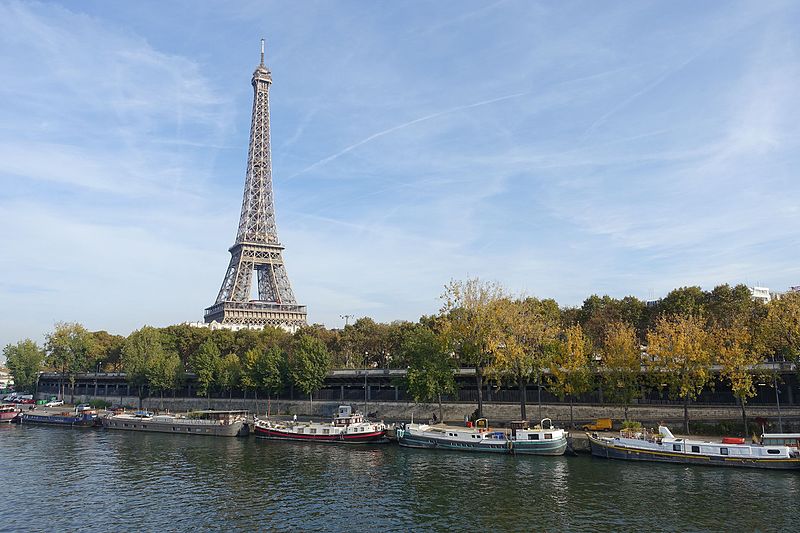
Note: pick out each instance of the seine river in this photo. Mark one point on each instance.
(58, 479)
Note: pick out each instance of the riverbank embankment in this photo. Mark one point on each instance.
(497, 413)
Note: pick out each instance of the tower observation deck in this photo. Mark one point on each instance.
(257, 249)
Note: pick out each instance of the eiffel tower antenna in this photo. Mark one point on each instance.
(257, 248)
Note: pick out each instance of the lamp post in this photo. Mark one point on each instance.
(346, 319)
(777, 400)
(366, 355)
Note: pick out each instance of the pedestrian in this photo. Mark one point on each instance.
(434, 418)
(294, 418)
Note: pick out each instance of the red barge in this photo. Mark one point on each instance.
(346, 427)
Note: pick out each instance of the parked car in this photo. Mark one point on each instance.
(54, 403)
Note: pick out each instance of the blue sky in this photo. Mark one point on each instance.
(559, 148)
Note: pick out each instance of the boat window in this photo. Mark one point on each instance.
(548, 436)
(534, 436)
(326, 431)
(676, 447)
(773, 452)
(696, 449)
(174, 428)
(144, 426)
(313, 430)
(723, 451)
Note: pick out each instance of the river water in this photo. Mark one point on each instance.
(62, 479)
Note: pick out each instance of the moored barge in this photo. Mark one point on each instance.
(80, 417)
(347, 427)
(8, 413)
(542, 439)
(211, 423)
(664, 447)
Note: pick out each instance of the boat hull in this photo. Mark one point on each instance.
(410, 440)
(608, 450)
(8, 417)
(552, 447)
(60, 420)
(178, 427)
(375, 437)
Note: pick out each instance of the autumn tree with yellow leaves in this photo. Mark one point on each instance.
(569, 369)
(680, 348)
(621, 363)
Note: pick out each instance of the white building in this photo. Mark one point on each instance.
(5, 378)
(761, 293)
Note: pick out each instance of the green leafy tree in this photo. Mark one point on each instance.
(467, 326)
(205, 364)
(308, 364)
(569, 368)
(69, 350)
(431, 368)
(230, 373)
(24, 361)
(621, 363)
(142, 349)
(680, 349)
(164, 372)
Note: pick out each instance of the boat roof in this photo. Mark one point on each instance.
(780, 436)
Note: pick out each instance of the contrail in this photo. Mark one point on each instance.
(401, 126)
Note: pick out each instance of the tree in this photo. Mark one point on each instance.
(24, 360)
(264, 371)
(142, 348)
(430, 370)
(230, 372)
(69, 348)
(467, 327)
(309, 363)
(569, 369)
(781, 330)
(737, 359)
(621, 363)
(679, 346)
(205, 364)
(163, 372)
(108, 350)
(525, 329)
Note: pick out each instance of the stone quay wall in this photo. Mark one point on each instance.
(497, 413)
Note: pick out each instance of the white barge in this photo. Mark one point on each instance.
(664, 447)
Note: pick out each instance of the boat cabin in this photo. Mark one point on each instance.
(791, 440)
(345, 416)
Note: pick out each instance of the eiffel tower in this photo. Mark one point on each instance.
(257, 247)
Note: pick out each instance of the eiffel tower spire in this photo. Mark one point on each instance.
(257, 247)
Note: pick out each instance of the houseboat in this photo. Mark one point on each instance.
(346, 427)
(212, 423)
(81, 416)
(8, 412)
(542, 439)
(641, 445)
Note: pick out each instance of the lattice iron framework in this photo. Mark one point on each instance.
(257, 247)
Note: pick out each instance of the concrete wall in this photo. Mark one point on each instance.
(394, 411)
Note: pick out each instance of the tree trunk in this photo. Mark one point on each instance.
(523, 389)
(479, 380)
(626, 411)
(311, 407)
(744, 418)
(255, 397)
(161, 405)
(686, 415)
